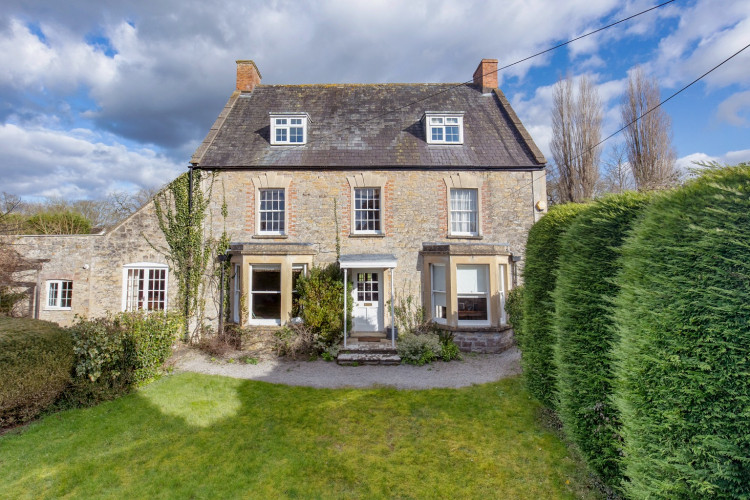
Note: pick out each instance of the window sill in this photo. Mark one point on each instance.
(270, 236)
(58, 309)
(464, 237)
(367, 235)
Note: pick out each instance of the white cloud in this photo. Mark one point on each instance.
(63, 62)
(74, 164)
(731, 110)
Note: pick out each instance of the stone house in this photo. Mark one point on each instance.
(418, 190)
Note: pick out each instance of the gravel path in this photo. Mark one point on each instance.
(472, 369)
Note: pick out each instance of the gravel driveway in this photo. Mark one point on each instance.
(472, 369)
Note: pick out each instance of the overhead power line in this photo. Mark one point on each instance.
(452, 87)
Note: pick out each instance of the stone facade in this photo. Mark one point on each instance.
(349, 144)
(94, 263)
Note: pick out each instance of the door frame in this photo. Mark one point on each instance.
(380, 325)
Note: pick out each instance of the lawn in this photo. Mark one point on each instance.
(199, 436)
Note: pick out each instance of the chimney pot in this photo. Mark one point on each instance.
(248, 75)
(485, 76)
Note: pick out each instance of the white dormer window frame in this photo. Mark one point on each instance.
(444, 127)
(289, 129)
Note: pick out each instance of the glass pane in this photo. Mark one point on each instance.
(436, 121)
(266, 305)
(296, 121)
(267, 279)
(451, 134)
(437, 133)
(280, 135)
(438, 278)
(280, 121)
(66, 297)
(52, 297)
(471, 278)
(451, 120)
(295, 134)
(472, 308)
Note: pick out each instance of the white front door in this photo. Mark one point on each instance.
(368, 301)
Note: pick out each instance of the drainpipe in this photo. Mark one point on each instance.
(222, 259)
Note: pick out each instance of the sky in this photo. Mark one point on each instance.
(107, 95)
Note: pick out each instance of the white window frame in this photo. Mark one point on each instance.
(237, 302)
(434, 291)
(59, 288)
(379, 191)
(286, 123)
(282, 211)
(503, 293)
(486, 294)
(451, 211)
(438, 122)
(146, 267)
(251, 299)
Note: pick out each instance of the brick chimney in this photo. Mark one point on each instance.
(485, 76)
(248, 75)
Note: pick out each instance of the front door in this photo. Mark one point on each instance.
(367, 314)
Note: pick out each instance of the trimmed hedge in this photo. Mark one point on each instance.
(542, 249)
(514, 308)
(588, 260)
(683, 357)
(115, 353)
(36, 360)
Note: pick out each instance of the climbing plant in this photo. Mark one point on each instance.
(181, 220)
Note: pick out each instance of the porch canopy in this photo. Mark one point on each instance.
(368, 260)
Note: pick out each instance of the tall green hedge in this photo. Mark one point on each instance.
(36, 360)
(683, 357)
(542, 249)
(588, 260)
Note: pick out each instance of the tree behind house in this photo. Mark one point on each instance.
(649, 139)
(576, 130)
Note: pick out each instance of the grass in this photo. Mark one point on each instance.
(199, 436)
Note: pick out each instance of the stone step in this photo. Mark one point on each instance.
(368, 358)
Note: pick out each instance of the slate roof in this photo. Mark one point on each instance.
(356, 126)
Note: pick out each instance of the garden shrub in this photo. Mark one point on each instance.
(36, 360)
(321, 299)
(419, 349)
(115, 353)
(514, 309)
(542, 250)
(682, 360)
(588, 259)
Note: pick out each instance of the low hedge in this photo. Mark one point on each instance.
(542, 249)
(683, 356)
(115, 353)
(36, 361)
(589, 258)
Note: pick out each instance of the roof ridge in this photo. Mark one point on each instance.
(360, 84)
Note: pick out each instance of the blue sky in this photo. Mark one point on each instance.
(98, 96)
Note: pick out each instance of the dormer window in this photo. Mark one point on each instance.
(289, 128)
(444, 128)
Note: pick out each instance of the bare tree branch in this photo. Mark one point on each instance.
(649, 140)
(576, 129)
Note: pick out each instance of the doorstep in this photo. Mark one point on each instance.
(359, 352)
